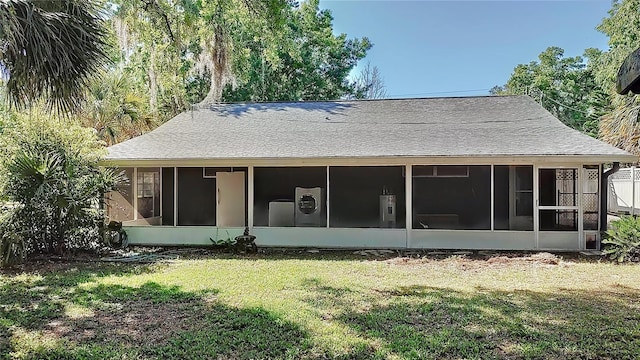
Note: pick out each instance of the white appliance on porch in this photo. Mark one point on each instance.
(230, 199)
(387, 210)
(281, 213)
(309, 206)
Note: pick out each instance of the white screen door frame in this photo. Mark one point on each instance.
(577, 207)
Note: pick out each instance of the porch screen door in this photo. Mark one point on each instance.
(559, 218)
(230, 196)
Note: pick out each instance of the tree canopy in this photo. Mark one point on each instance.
(185, 52)
(169, 55)
(563, 85)
(580, 91)
(621, 125)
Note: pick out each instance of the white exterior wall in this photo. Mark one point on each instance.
(371, 237)
(356, 238)
(559, 241)
(266, 236)
(330, 237)
(178, 235)
(473, 239)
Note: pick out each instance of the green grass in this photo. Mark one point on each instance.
(322, 306)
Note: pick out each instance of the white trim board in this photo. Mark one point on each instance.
(550, 160)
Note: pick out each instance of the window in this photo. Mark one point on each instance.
(146, 184)
(148, 193)
(440, 171)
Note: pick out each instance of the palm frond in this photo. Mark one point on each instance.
(621, 127)
(50, 50)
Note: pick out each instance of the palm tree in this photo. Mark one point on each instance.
(621, 127)
(115, 109)
(49, 49)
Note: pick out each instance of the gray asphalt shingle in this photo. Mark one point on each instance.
(467, 126)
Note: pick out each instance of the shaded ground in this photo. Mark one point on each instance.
(317, 306)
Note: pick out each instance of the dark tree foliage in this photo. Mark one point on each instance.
(302, 61)
(565, 86)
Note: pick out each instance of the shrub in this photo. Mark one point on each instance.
(50, 174)
(222, 242)
(12, 245)
(622, 242)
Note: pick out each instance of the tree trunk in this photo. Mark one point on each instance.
(60, 232)
(219, 62)
(219, 58)
(153, 83)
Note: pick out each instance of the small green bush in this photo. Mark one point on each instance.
(50, 177)
(12, 244)
(622, 242)
(221, 242)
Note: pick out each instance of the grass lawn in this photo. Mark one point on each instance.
(317, 306)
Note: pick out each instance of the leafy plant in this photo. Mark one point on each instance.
(623, 240)
(565, 86)
(50, 175)
(223, 243)
(50, 49)
(12, 244)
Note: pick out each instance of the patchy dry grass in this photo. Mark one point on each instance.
(324, 306)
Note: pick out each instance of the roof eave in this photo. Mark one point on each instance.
(375, 160)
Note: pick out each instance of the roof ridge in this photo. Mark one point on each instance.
(352, 100)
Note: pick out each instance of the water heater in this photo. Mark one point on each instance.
(387, 211)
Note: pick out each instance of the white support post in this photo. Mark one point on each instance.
(175, 196)
(327, 197)
(536, 205)
(408, 181)
(492, 196)
(580, 175)
(250, 196)
(160, 191)
(601, 227)
(633, 190)
(135, 193)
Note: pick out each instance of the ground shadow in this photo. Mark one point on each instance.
(68, 312)
(147, 321)
(400, 257)
(432, 323)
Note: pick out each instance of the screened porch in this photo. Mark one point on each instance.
(394, 206)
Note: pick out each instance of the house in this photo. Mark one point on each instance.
(493, 172)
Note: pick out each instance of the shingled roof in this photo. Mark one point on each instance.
(433, 127)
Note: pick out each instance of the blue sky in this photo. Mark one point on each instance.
(447, 48)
